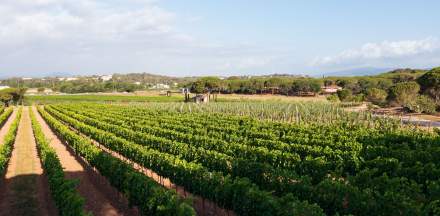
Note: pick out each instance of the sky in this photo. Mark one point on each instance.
(225, 37)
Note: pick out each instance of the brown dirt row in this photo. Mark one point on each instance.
(100, 198)
(201, 205)
(24, 187)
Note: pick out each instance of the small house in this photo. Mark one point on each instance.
(201, 98)
(160, 86)
(106, 78)
(330, 89)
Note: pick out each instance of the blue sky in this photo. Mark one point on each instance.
(195, 37)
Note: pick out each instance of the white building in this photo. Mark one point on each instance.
(4, 87)
(106, 78)
(71, 78)
(67, 78)
(330, 89)
(160, 86)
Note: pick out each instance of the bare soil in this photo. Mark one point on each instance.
(24, 187)
(97, 199)
(425, 121)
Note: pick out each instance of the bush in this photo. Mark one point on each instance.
(358, 98)
(423, 104)
(403, 93)
(333, 98)
(376, 96)
(344, 95)
(430, 84)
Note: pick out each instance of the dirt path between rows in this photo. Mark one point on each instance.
(4, 130)
(97, 201)
(202, 206)
(24, 187)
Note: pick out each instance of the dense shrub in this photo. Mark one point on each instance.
(333, 98)
(376, 96)
(403, 93)
(430, 84)
(344, 94)
(422, 104)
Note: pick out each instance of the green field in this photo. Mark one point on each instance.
(44, 99)
(294, 159)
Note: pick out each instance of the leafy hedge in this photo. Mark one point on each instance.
(346, 169)
(5, 113)
(238, 194)
(68, 201)
(7, 145)
(149, 196)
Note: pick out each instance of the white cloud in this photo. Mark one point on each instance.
(26, 20)
(98, 36)
(385, 50)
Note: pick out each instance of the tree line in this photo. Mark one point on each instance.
(258, 85)
(415, 90)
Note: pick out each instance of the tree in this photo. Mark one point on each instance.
(5, 98)
(306, 86)
(366, 83)
(328, 82)
(384, 84)
(207, 84)
(41, 90)
(198, 87)
(11, 95)
(376, 96)
(403, 93)
(273, 82)
(430, 84)
(349, 83)
(212, 83)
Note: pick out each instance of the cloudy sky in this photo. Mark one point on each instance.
(227, 37)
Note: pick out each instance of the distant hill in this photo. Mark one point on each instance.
(407, 70)
(367, 71)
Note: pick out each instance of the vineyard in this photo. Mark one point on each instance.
(98, 98)
(234, 158)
